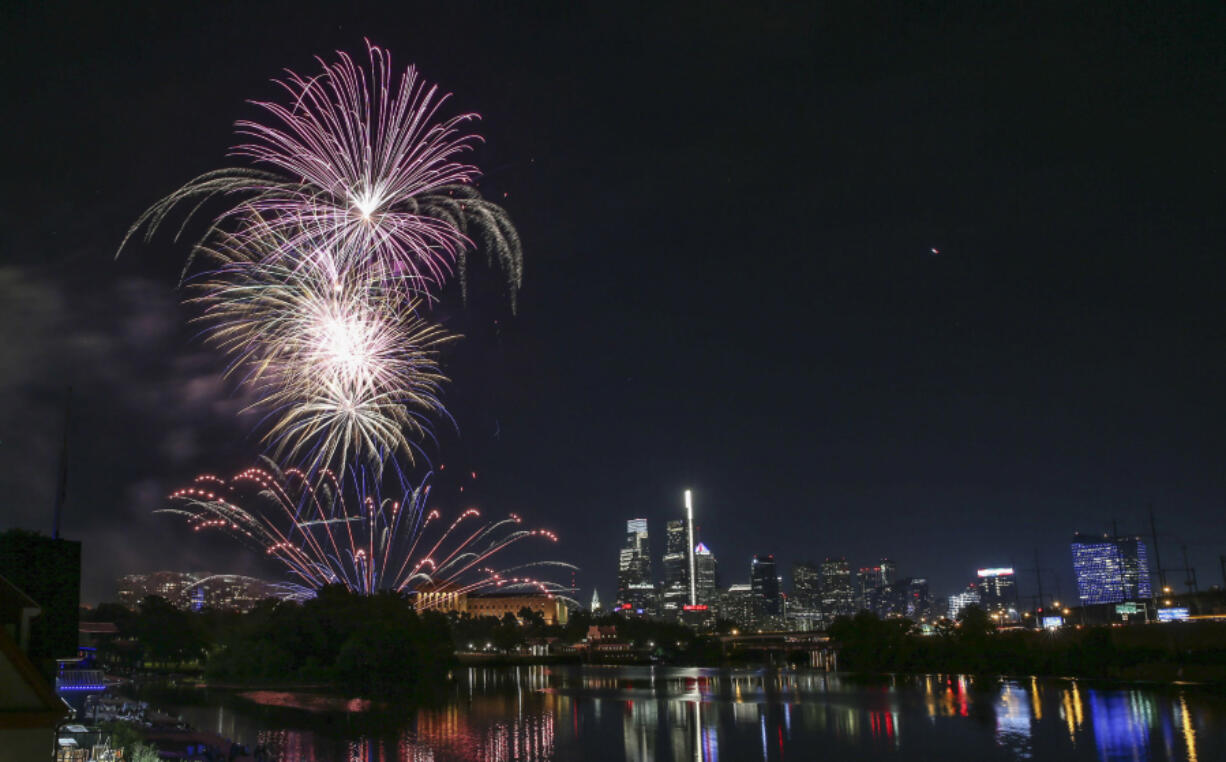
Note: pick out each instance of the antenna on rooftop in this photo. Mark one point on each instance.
(61, 487)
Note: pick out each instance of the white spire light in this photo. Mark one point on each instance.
(689, 549)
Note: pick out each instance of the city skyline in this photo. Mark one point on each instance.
(1056, 584)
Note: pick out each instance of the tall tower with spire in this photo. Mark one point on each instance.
(595, 601)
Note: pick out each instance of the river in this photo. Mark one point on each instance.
(646, 714)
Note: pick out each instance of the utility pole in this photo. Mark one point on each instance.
(1191, 579)
(1222, 560)
(1153, 533)
(61, 485)
(1038, 579)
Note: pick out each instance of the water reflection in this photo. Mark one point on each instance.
(1189, 733)
(1013, 714)
(643, 714)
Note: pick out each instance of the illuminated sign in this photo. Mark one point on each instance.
(1172, 615)
(1127, 609)
(695, 607)
(1003, 571)
(1053, 622)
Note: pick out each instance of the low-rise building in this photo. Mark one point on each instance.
(551, 608)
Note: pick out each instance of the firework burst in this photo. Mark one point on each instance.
(326, 530)
(343, 368)
(359, 164)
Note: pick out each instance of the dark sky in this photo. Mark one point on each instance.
(728, 215)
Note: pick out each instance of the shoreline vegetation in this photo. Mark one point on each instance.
(1166, 653)
(378, 646)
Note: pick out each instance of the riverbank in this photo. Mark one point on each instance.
(1193, 652)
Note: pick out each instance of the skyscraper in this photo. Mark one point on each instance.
(868, 582)
(998, 591)
(680, 584)
(706, 576)
(634, 586)
(740, 605)
(918, 602)
(887, 573)
(676, 565)
(804, 607)
(764, 581)
(968, 597)
(837, 594)
(806, 587)
(1110, 569)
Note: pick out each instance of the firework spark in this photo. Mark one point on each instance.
(326, 530)
(358, 164)
(343, 368)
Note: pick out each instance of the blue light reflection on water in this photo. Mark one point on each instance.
(1121, 725)
(542, 714)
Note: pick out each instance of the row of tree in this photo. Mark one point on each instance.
(972, 645)
(369, 644)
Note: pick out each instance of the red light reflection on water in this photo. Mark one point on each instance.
(310, 702)
(475, 732)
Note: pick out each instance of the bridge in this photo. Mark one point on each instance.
(816, 645)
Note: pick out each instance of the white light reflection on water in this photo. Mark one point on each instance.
(1013, 720)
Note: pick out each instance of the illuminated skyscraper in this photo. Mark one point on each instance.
(740, 605)
(679, 578)
(676, 565)
(804, 607)
(875, 589)
(634, 586)
(837, 594)
(1110, 569)
(918, 604)
(998, 591)
(706, 576)
(806, 587)
(969, 597)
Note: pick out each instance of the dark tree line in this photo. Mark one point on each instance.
(371, 645)
(972, 645)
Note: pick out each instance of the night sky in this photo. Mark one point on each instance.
(924, 282)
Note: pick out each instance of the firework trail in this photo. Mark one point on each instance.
(359, 164)
(344, 369)
(329, 530)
